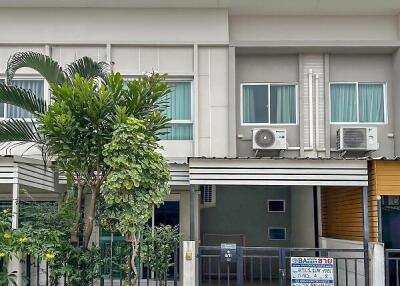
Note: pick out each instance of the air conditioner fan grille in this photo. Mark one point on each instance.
(354, 137)
(264, 138)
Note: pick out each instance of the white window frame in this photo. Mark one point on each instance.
(190, 121)
(175, 79)
(284, 206)
(269, 84)
(46, 95)
(357, 83)
(277, 227)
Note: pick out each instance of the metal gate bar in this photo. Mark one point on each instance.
(392, 269)
(271, 265)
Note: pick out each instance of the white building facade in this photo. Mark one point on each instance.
(305, 69)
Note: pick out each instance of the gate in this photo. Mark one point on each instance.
(392, 267)
(271, 266)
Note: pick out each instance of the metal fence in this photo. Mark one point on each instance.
(392, 267)
(271, 266)
(114, 270)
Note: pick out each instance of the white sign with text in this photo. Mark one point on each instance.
(312, 271)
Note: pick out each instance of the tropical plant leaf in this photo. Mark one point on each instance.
(19, 130)
(43, 64)
(87, 68)
(23, 98)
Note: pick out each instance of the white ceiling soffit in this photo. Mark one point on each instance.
(235, 7)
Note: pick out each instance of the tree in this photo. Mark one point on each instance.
(138, 180)
(21, 131)
(83, 120)
(17, 132)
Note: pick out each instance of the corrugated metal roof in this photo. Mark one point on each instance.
(301, 158)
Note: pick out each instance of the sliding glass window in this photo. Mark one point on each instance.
(268, 104)
(357, 102)
(34, 85)
(179, 110)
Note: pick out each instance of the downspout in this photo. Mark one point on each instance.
(316, 112)
(310, 107)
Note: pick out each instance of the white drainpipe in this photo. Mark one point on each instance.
(316, 112)
(310, 107)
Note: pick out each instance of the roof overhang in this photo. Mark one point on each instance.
(282, 172)
(29, 173)
(235, 7)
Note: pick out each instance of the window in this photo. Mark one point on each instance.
(179, 109)
(276, 206)
(268, 104)
(357, 102)
(277, 233)
(10, 111)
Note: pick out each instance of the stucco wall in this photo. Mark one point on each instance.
(367, 68)
(308, 28)
(302, 217)
(243, 210)
(396, 99)
(264, 69)
(96, 25)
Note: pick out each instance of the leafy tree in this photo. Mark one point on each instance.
(157, 247)
(47, 238)
(138, 180)
(17, 132)
(83, 118)
(22, 131)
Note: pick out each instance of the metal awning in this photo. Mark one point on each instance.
(26, 172)
(273, 172)
(179, 174)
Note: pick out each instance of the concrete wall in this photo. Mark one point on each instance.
(180, 43)
(243, 210)
(174, 41)
(367, 68)
(257, 67)
(91, 25)
(264, 69)
(213, 139)
(302, 217)
(396, 99)
(309, 28)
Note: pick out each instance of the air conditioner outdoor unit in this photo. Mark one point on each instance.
(269, 139)
(208, 196)
(357, 139)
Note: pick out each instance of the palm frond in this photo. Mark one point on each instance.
(19, 130)
(23, 98)
(87, 68)
(43, 64)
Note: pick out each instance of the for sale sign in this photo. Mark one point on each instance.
(312, 271)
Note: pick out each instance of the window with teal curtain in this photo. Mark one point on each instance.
(371, 102)
(283, 103)
(343, 102)
(179, 110)
(255, 104)
(36, 86)
(178, 131)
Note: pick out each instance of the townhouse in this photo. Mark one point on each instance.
(284, 117)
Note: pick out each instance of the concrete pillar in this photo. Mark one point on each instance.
(15, 205)
(192, 212)
(189, 263)
(15, 264)
(377, 254)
